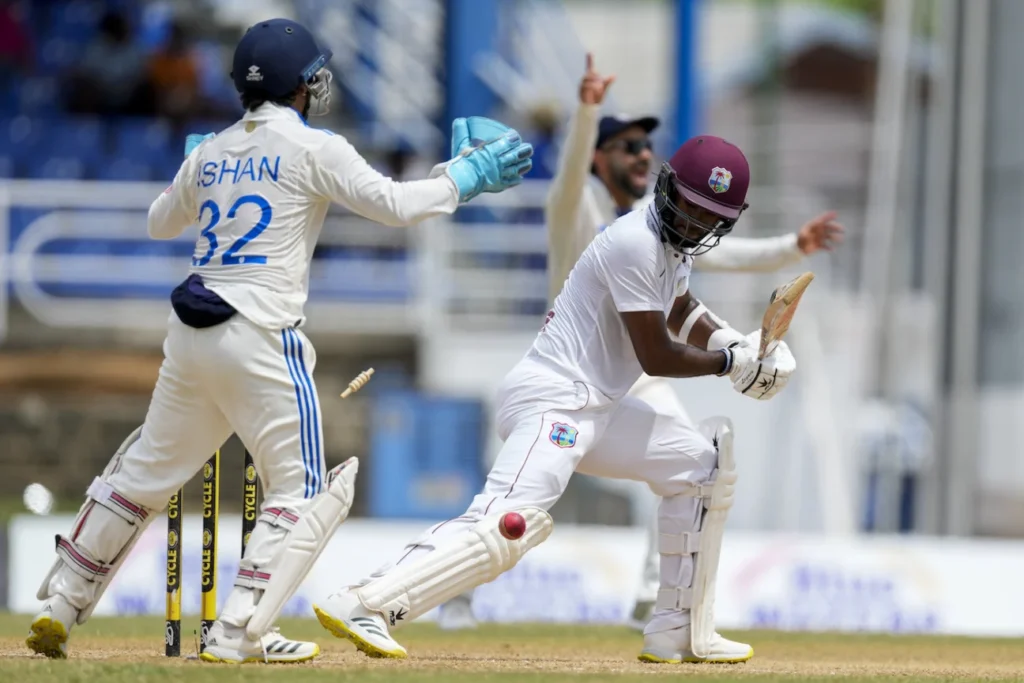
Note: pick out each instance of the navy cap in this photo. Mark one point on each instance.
(274, 57)
(610, 126)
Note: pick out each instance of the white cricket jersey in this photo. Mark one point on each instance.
(259, 192)
(625, 269)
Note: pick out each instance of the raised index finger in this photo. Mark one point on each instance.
(590, 62)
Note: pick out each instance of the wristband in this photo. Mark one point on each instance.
(728, 362)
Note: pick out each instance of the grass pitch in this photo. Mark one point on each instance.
(130, 650)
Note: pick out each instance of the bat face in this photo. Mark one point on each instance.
(781, 308)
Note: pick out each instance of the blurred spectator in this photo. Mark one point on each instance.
(15, 41)
(403, 163)
(110, 79)
(398, 159)
(544, 124)
(174, 77)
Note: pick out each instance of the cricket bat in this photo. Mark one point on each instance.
(781, 307)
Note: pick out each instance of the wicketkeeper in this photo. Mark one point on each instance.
(236, 360)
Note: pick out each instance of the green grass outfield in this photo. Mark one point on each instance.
(130, 650)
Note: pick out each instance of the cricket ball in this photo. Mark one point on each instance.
(512, 525)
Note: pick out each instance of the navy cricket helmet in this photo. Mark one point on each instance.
(274, 57)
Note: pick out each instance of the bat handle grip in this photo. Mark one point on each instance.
(767, 349)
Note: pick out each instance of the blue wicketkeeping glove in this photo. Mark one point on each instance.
(488, 157)
(193, 140)
(475, 131)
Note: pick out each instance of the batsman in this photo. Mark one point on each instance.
(235, 357)
(603, 172)
(625, 309)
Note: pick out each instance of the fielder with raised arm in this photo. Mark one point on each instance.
(626, 309)
(235, 358)
(603, 173)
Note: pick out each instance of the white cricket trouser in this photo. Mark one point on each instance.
(553, 427)
(237, 378)
(231, 378)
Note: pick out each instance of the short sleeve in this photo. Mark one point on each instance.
(629, 266)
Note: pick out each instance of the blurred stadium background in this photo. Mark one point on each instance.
(905, 418)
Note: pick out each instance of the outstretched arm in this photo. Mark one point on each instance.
(339, 173)
(754, 254)
(567, 237)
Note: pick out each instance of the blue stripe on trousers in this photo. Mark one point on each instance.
(315, 453)
(301, 402)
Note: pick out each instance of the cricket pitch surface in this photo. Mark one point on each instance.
(130, 649)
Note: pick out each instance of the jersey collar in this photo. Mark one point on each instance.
(268, 111)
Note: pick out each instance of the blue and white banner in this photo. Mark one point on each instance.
(589, 574)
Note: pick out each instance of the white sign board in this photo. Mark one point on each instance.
(589, 574)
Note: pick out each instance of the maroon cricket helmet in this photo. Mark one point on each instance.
(713, 174)
(708, 172)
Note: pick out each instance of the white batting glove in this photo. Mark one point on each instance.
(761, 379)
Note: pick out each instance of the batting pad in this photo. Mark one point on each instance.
(300, 550)
(717, 504)
(466, 561)
(106, 529)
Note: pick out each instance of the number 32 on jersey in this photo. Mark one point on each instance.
(231, 256)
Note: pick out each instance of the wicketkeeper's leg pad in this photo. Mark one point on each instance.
(108, 525)
(705, 545)
(254, 569)
(456, 565)
(270, 534)
(307, 536)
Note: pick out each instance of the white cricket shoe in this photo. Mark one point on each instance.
(673, 647)
(345, 617)
(228, 644)
(49, 630)
(456, 614)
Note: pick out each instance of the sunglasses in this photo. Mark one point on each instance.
(633, 147)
